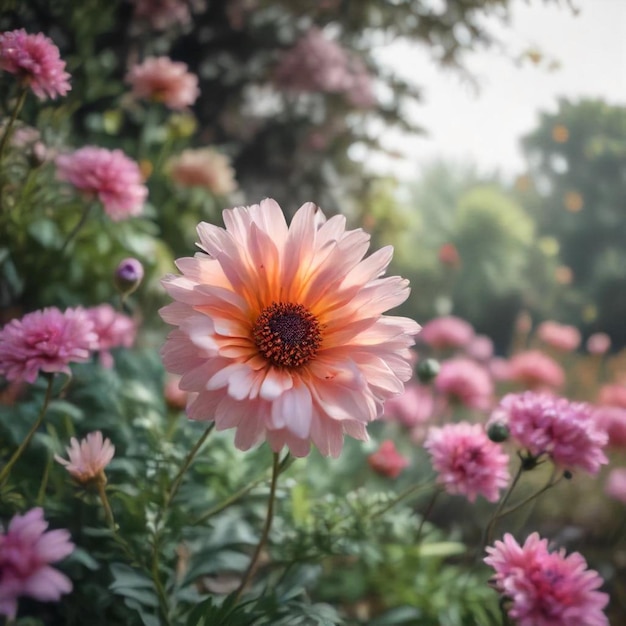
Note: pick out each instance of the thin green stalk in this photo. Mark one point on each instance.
(551, 483)
(108, 512)
(44, 481)
(426, 514)
(9, 128)
(412, 490)
(76, 229)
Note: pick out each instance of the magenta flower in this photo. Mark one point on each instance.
(567, 432)
(467, 462)
(411, 408)
(36, 61)
(26, 552)
(447, 333)
(535, 370)
(128, 275)
(109, 175)
(113, 329)
(465, 381)
(560, 336)
(45, 341)
(546, 588)
(88, 458)
(387, 461)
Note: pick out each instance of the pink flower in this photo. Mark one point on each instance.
(598, 343)
(559, 336)
(163, 80)
(414, 406)
(565, 431)
(387, 461)
(128, 275)
(175, 397)
(465, 381)
(615, 485)
(546, 588)
(36, 61)
(88, 458)
(203, 167)
(467, 461)
(446, 333)
(612, 395)
(114, 330)
(45, 341)
(26, 551)
(108, 174)
(612, 419)
(281, 332)
(164, 14)
(480, 348)
(535, 370)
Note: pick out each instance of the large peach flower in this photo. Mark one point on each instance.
(280, 329)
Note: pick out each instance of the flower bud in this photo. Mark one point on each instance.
(498, 432)
(427, 370)
(128, 276)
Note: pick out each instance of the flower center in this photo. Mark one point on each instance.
(286, 334)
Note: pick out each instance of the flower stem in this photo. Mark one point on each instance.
(494, 518)
(108, 512)
(9, 127)
(412, 490)
(76, 229)
(426, 514)
(31, 433)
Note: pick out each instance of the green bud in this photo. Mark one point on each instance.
(427, 370)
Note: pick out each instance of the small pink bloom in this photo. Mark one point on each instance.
(447, 333)
(414, 406)
(465, 381)
(535, 370)
(114, 330)
(26, 551)
(480, 348)
(203, 167)
(128, 275)
(546, 588)
(560, 336)
(387, 461)
(612, 419)
(175, 397)
(88, 458)
(163, 80)
(45, 341)
(612, 395)
(467, 461)
(36, 61)
(615, 485)
(110, 175)
(598, 343)
(449, 256)
(164, 14)
(565, 431)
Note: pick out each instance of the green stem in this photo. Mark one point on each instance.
(16, 111)
(108, 512)
(266, 529)
(426, 514)
(551, 483)
(412, 490)
(76, 229)
(44, 481)
(494, 518)
(31, 433)
(156, 577)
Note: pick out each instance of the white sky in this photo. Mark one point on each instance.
(485, 127)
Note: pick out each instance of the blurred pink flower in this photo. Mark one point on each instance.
(26, 551)
(598, 343)
(565, 431)
(546, 588)
(467, 462)
(175, 397)
(387, 461)
(128, 275)
(163, 80)
(281, 332)
(480, 348)
(448, 255)
(164, 14)
(612, 419)
(535, 370)
(108, 174)
(465, 381)
(36, 61)
(612, 395)
(45, 341)
(615, 485)
(447, 332)
(88, 458)
(360, 89)
(559, 336)
(203, 167)
(414, 406)
(114, 330)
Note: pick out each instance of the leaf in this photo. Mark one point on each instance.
(398, 615)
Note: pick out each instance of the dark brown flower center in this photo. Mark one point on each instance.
(287, 335)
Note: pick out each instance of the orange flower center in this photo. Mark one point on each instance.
(286, 334)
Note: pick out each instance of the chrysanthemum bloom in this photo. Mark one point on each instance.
(163, 80)
(546, 588)
(203, 167)
(560, 336)
(598, 343)
(36, 62)
(615, 485)
(480, 348)
(109, 175)
(45, 341)
(387, 461)
(447, 333)
(113, 329)
(612, 394)
(535, 370)
(465, 381)
(281, 332)
(26, 552)
(567, 432)
(467, 462)
(612, 419)
(128, 275)
(414, 406)
(88, 458)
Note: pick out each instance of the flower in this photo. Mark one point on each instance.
(108, 174)
(45, 341)
(598, 343)
(559, 336)
(447, 332)
(612, 419)
(465, 381)
(615, 485)
(175, 397)
(36, 61)
(467, 461)
(414, 406)
(163, 80)
(113, 330)
(26, 551)
(203, 167)
(128, 275)
(163, 14)
(88, 458)
(480, 348)
(565, 431)
(281, 332)
(387, 461)
(546, 588)
(535, 370)
(448, 255)
(612, 395)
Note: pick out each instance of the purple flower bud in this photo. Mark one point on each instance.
(128, 275)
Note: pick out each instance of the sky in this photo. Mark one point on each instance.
(484, 126)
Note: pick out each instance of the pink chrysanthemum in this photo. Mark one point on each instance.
(465, 381)
(480, 348)
(203, 167)
(612, 395)
(598, 343)
(114, 330)
(413, 407)
(387, 461)
(447, 333)
(109, 175)
(281, 332)
(615, 485)
(535, 370)
(567, 432)
(45, 341)
(36, 61)
(546, 588)
(612, 419)
(560, 336)
(26, 552)
(467, 462)
(88, 458)
(163, 80)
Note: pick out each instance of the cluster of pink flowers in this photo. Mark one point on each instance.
(466, 382)
(203, 167)
(387, 461)
(26, 551)
(88, 458)
(447, 333)
(546, 588)
(113, 329)
(36, 61)
(559, 336)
